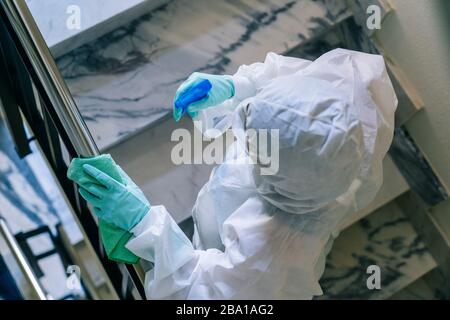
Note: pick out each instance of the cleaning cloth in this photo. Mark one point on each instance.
(114, 238)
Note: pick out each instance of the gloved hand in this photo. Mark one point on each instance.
(222, 89)
(122, 204)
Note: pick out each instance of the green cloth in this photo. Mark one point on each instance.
(114, 238)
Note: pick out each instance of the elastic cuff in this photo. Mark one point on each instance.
(243, 88)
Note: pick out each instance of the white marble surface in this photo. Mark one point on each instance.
(126, 80)
(96, 18)
(385, 238)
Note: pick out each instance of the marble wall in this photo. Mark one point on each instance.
(385, 238)
(416, 169)
(125, 80)
(58, 19)
(432, 286)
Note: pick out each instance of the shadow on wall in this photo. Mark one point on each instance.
(444, 12)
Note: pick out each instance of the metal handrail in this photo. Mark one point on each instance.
(48, 73)
(55, 88)
(21, 261)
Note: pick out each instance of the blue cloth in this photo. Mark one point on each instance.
(201, 91)
(195, 93)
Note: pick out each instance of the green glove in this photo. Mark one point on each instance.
(122, 204)
(114, 239)
(222, 90)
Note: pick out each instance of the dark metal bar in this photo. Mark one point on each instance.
(11, 111)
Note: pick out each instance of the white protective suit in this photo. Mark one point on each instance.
(266, 236)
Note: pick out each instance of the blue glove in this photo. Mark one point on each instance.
(222, 88)
(121, 204)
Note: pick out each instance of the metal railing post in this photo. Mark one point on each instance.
(48, 73)
(21, 260)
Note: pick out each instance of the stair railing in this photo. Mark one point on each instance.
(36, 291)
(34, 89)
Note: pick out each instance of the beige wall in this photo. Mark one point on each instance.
(417, 37)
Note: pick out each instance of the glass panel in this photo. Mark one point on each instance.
(29, 200)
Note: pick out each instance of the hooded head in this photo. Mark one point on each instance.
(333, 132)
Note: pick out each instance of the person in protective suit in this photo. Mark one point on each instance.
(266, 236)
